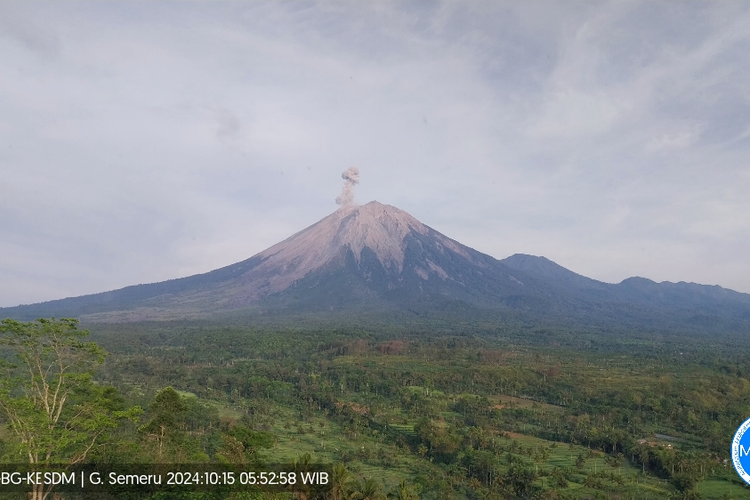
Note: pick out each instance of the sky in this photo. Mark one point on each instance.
(144, 141)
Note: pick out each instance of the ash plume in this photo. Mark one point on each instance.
(351, 179)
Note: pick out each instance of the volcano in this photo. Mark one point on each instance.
(376, 257)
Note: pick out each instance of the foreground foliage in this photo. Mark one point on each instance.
(480, 414)
(54, 410)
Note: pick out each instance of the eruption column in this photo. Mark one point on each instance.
(351, 179)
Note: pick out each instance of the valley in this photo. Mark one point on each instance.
(469, 415)
(411, 366)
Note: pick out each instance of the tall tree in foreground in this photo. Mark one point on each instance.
(167, 411)
(55, 411)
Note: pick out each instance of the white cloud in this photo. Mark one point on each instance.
(140, 142)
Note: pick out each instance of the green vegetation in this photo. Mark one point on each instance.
(482, 414)
(54, 412)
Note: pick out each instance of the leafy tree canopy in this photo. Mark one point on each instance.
(56, 414)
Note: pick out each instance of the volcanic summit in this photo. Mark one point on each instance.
(376, 257)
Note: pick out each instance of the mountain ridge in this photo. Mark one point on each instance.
(378, 256)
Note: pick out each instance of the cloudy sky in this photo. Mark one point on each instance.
(142, 141)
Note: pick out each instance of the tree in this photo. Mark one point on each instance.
(684, 482)
(521, 480)
(369, 489)
(167, 410)
(558, 479)
(339, 481)
(55, 411)
(403, 492)
(241, 445)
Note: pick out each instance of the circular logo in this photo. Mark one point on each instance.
(741, 451)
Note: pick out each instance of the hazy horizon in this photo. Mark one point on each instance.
(145, 142)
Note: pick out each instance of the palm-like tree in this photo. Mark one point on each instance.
(369, 489)
(302, 464)
(403, 492)
(339, 482)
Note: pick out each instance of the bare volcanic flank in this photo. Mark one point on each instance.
(380, 228)
(356, 252)
(378, 258)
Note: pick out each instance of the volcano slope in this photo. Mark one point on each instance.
(376, 259)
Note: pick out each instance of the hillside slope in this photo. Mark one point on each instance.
(377, 257)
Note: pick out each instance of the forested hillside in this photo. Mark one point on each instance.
(538, 414)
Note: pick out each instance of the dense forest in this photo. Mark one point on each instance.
(472, 413)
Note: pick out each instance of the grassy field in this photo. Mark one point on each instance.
(367, 456)
(464, 418)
